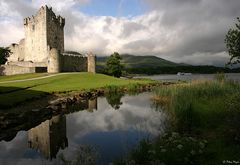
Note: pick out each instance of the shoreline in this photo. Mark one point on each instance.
(12, 120)
(62, 101)
(16, 93)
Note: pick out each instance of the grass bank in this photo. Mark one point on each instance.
(12, 93)
(205, 119)
(22, 76)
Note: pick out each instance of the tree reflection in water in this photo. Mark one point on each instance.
(114, 99)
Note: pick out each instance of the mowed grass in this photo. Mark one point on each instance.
(17, 92)
(22, 76)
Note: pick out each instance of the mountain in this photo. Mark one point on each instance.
(132, 61)
(155, 65)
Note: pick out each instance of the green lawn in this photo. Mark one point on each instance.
(22, 76)
(17, 92)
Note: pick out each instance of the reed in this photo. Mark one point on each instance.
(206, 110)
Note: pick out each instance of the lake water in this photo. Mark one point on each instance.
(174, 77)
(107, 129)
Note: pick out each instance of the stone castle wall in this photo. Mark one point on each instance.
(28, 64)
(18, 51)
(77, 63)
(54, 61)
(14, 69)
(35, 37)
(55, 31)
(73, 63)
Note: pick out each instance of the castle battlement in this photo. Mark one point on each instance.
(45, 12)
(52, 17)
(71, 54)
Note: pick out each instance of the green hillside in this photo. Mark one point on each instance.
(132, 61)
(154, 65)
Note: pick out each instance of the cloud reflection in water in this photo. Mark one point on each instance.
(113, 132)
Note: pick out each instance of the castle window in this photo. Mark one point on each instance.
(33, 27)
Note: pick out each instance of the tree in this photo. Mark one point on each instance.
(114, 67)
(114, 99)
(4, 54)
(232, 41)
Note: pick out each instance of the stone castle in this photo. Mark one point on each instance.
(42, 49)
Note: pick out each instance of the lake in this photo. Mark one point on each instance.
(174, 77)
(106, 130)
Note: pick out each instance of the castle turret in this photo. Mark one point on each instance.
(91, 63)
(54, 61)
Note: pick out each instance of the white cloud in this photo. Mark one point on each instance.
(59, 5)
(131, 116)
(13, 32)
(11, 25)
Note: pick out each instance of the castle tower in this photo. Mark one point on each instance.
(92, 104)
(91, 63)
(43, 30)
(54, 61)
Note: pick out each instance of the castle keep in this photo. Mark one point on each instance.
(42, 49)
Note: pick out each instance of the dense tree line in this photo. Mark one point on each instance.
(175, 70)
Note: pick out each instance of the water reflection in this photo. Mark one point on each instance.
(92, 105)
(114, 99)
(49, 137)
(173, 77)
(113, 133)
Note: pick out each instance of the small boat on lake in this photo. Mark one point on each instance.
(183, 74)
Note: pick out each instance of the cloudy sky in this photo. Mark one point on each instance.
(189, 31)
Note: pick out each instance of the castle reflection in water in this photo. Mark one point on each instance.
(50, 136)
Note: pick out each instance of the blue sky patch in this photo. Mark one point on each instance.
(116, 8)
